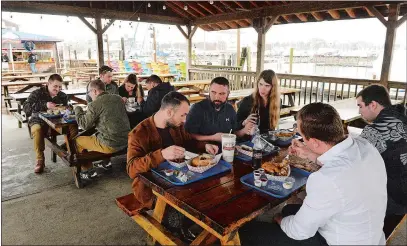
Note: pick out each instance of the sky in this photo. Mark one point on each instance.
(367, 30)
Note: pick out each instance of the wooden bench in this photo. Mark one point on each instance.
(391, 225)
(133, 208)
(7, 100)
(87, 157)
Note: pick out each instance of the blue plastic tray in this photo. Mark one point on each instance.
(69, 120)
(221, 167)
(280, 142)
(51, 116)
(302, 171)
(275, 188)
(244, 157)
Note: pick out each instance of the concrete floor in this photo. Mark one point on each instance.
(48, 209)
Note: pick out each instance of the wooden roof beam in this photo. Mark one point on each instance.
(226, 4)
(350, 12)
(233, 24)
(401, 20)
(368, 12)
(317, 16)
(270, 23)
(288, 18)
(91, 27)
(335, 14)
(302, 17)
(185, 15)
(196, 14)
(61, 9)
(290, 8)
(254, 4)
(239, 4)
(379, 16)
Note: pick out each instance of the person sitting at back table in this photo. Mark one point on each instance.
(107, 113)
(41, 100)
(156, 91)
(264, 102)
(388, 133)
(346, 198)
(212, 117)
(130, 88)
(130, 91)
(158, 138)
(105, 75)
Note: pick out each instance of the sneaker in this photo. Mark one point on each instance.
(106, 165)
(88, 175)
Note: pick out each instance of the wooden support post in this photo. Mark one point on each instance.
(259, 25)
(99, 35)
(122, 48)
(391, 26)
(188, 35)
(238, 47)
(189, 51)
(291, 60)
(154, 46)
(69, 56)
(107, 47)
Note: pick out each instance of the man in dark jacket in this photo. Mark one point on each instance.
(107, 114)
(156, 91)
(106, 75)
(388, 133)
(41, 100)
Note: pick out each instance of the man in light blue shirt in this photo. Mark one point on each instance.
(346, 199)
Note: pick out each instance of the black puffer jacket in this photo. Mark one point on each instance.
(155, 95)
(388, 133)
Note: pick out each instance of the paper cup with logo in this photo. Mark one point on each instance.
(228, 147)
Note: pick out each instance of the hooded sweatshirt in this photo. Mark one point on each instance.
(155, 95)
(388, 133)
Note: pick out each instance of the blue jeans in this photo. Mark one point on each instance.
(33, 69)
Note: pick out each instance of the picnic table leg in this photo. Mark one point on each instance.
(204, 238)
(20, 124)
(54, 140)
(158, 215)
(77, 176)
(231, 239)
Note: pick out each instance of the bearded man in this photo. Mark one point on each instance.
(158, 138)
(212, 117)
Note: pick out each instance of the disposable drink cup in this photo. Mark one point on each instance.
(228, 147)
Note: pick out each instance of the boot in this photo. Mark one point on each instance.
(39, 167)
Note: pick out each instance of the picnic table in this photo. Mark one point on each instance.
(40, 76)
(220, 204)
(347, 109)
(15, 73)
(68, 151)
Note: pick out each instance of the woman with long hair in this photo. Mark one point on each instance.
(130, 88)
(263, 106)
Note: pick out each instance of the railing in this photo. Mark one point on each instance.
(238, 79)
(313, 88)
(227, 68)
